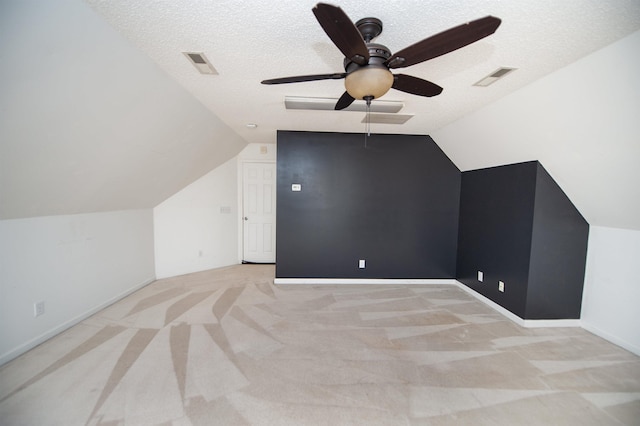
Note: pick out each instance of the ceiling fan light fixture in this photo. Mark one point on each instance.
(366, 64)
(368, 81)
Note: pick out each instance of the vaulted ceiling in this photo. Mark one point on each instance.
(252, 40)
(101, 109)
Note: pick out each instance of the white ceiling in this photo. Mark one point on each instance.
(100, 111)
(88, 123)
(248, 41)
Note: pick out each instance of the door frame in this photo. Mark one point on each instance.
(241, 163)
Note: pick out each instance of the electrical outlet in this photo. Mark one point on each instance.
(480, 276)
(38, 309)
(362, 264)
(501, 286)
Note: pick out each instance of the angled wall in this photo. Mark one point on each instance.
(93, 135)
(89, 124)
(591, 148)
(496, 219)
(197, 228)
(518, 227)
(391, 200)
(558, 253)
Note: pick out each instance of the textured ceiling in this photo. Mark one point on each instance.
(248, 41)
(89, 123)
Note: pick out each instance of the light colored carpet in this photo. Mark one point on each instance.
(227, 347)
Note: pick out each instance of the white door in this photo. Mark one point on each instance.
(259, 212)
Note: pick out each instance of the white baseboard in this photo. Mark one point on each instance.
(553, 323)
(16, 352)
(330, 281)
(611, 338)
(505, 312)
(515, 318)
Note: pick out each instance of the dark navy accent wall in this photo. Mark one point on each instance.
(393, 202)
(496, 220)
(517, 226)
(400, 204)
(558, 253)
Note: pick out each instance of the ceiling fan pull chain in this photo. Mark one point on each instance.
(368, 99)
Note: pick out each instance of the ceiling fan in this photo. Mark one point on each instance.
(367, 65)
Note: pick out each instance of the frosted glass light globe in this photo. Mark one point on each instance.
(368, 81)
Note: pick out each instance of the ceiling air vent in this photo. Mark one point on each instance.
(494, 76)
(328, 104)
(201, 62)
(387, 118)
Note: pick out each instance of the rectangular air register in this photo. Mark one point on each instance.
(201, 62)
(387, 118)
(328, 104)
(494, 76)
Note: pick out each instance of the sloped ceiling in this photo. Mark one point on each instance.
(530, 114)
(93, 125)
(252, 40)
(581, 122)
(88, 123)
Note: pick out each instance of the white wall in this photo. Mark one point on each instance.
(612, 286)
(88, 122)
(199, 228)
(258, 152)
(76, 264)
(581, 122)
(196, 228)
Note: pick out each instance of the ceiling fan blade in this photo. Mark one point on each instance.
(415, 85)
(303, 78)
(444, 42)
(345, 100)
(342, 32)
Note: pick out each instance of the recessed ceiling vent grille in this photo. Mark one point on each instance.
(387, 118)
(494, 76)
(201, 62)
(328, 104)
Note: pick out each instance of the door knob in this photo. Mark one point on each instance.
(246, 218)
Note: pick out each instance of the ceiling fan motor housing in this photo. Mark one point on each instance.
(370, 28)
(371, 80)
